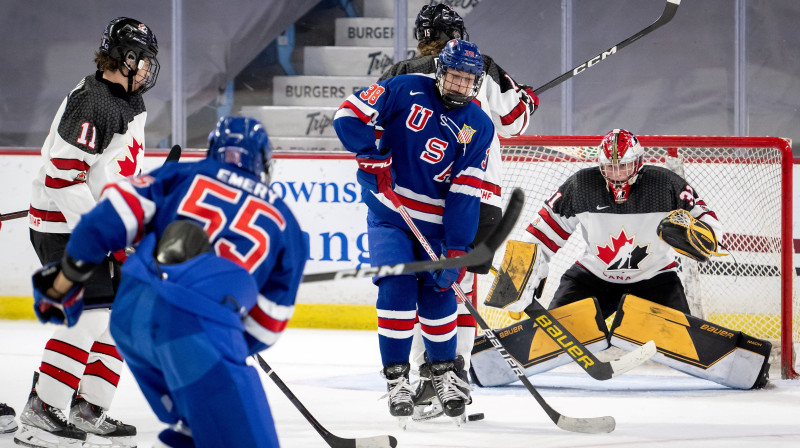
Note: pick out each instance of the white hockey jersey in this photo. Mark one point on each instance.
(96, 137)
(622, 245)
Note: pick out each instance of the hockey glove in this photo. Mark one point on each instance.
(446, 277)
(381, 169)
(688, 236)
(56, 310)
(529, 97)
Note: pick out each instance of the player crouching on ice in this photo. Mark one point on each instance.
(213, 280)
(631, 217)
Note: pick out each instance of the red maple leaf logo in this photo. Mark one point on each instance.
(127, 166)
(608, 252)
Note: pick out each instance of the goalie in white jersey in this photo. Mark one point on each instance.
(632, 217)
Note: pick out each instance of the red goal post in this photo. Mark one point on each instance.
(746, 180)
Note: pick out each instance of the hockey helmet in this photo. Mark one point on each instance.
(439, 22)
(133, 45)
(620, 158)
(243, 142)
(460, 88)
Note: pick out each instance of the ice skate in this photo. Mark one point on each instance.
(426, 402)
(43, 426)
(399, 391)
(102, 430)
(449, 387)
(7, 422)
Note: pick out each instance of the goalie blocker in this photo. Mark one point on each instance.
(685, 343)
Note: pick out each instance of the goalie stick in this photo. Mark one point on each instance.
(669, 12)
(591, 425)
(332, 440)
(173, 156)
(599, 370)
(480, 254)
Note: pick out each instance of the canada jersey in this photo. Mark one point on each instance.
(439, 155)
(246, 222)
(97, 137)
(622, 245)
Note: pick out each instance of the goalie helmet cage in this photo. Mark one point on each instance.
(747, 181)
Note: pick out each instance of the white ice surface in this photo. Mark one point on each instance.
(335, 374)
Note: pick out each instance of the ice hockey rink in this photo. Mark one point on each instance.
(335, 374)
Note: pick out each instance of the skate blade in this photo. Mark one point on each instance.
(98, 441)
(34, 437)
(424, 413)
(402, 422)
(7, 424)
(459, 419)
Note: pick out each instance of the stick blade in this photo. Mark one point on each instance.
(376, 442)
(595, 425)
(633, 359)
(174, 154)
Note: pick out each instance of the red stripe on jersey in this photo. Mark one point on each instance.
(669, 266)
(438, 329)
(363, 117)
(52, 182)
(100, 370)
(468, 180)
(553, 224)
(421, 206)
(45, 215)
(492, 188)
(543, 238)
(106, 349)
(267, 321)
(396, 324)
(514, 114)
(712, 214)
(466, 320)
(70, 164)
(135, 207)
(70, 351)
(378, 134)
(59, 375)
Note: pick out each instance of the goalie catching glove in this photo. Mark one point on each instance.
(688, 236)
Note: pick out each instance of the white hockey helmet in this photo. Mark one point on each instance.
(620, 158)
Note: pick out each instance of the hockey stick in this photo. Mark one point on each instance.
(173, 156)
(599, 370)
(591, 425)
(480, 254)
(332, 440)
(669, 12)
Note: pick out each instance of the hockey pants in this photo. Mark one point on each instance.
(191, 369)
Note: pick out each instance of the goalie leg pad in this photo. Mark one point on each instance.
(535, 350)
(692, 345)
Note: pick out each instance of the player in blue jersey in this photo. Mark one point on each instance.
(432, 152)
(218, 261)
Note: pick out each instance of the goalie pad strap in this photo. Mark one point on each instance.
(536, 351)
(690, 344)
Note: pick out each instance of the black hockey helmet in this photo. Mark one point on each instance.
(132, 44)
(439, 22)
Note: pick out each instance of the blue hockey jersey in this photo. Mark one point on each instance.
(439, 155)
(246, 223)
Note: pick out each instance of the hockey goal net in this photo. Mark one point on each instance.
(747, 181)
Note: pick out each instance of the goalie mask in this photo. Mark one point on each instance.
(620, 159)
(459, 73)
(440, 23)
(243, 142)
(134, 46)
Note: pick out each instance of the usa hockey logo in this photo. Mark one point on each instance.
(465, 134)
(622, 253)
